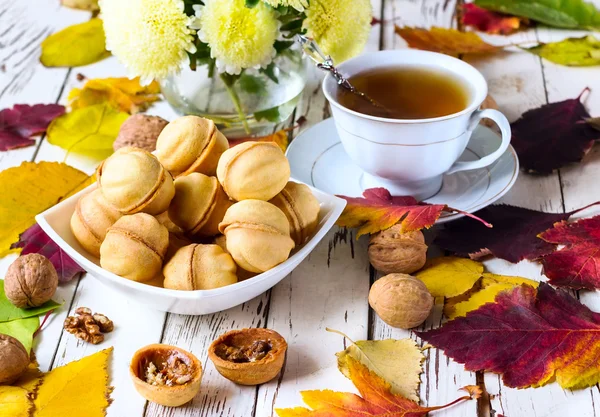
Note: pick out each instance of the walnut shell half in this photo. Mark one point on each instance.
(166, 375)
(30, 281)
(13, 359)
(392, 251)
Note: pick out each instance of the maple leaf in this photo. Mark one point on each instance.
(577, 264)
(513, 237)
(375, 399)
(89, 131)
(29, 189)
(549, 137)
(571, 14)
(490, 22)
(35, 240)
(125, 94)
(18, 124)
(76, 45)
(574, 52)
(449, 276)
(281, 138)
(76, 389)
(378, 211)
(529, 336)
(446, 41)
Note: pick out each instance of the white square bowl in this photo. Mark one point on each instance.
(56, 223)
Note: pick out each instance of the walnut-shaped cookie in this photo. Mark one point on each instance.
(91, 219)
(166, 375)
(135, 247)
(191, 144)
(199, 267)
(301, 208)
(132, 181)
(258, 235)
(199, 204)
(253, 170)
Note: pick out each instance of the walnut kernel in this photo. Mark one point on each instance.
(391, 251)
(87, 326)
(401, 300)
(30, 281)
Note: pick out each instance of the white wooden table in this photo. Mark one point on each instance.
(330, 288)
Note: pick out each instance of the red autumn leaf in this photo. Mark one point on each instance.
(490, 22)
(375, 399)
(513, 237)
(553, 135)
(35, 240)
(529, 336)
(18, 124)
(378, 210)
(577, 264)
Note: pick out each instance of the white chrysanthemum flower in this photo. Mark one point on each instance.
(239, 37)
(150, 37)
(299, 5)
(340, 29)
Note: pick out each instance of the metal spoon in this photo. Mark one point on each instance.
(325, 63)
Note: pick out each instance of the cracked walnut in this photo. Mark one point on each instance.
(87, 326)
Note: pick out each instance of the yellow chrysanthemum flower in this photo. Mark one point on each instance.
(341, 29)
(150, 37)
(239, 37)
(299, 5)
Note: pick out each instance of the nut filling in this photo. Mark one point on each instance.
(166, 370)
(255, 352)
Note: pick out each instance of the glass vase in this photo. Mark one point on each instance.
(256, 103)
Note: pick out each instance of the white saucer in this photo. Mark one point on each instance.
(317, 157)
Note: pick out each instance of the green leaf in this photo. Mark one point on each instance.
(271, 115)
(568, 14)
(252, 84)
(88, 131)
(281, 46)
(77, 45)
(573, 52)
(9, 312)
(292, 25)
(251, 3)
(270, 72)
(22, 330)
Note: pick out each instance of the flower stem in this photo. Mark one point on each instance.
(235, 100)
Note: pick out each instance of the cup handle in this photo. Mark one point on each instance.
(504, 126)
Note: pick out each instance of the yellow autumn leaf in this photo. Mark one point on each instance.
(396, 361)
(77, 45)
(88, 131)
(491, 286)
(450, 276)
(91, 5)
(121, 93)
(446, 41)
(29, 189)
(15, 402)
(79, 388)
(31, 378)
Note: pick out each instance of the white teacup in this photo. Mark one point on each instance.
(410, 157)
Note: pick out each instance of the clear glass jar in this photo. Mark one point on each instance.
(255, 104)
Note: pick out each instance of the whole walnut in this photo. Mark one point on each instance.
(392, 251)
(30, 281)
(13, 359)
(401, 300)
(140, 131)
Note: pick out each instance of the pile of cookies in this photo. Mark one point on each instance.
(194, 215)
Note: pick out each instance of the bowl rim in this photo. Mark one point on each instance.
(337, 206)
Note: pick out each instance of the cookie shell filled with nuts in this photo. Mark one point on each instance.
(132, 180)
(191, 144)
(135, 247)
(166, 375)
(257, 235)
(253, 170)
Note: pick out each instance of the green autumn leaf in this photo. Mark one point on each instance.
(22, 330)
(88, 131)
(567, 14)
(573, 52)
(77, 45)
(9, 312)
